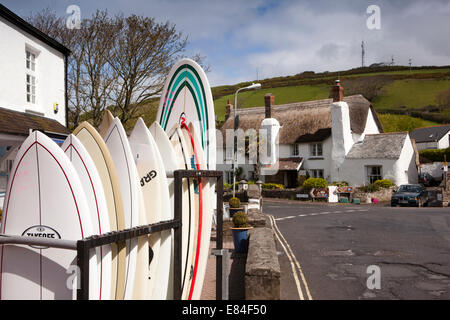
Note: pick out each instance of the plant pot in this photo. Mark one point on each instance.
(234, 210)
(240, 239)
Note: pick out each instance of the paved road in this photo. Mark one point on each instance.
(325, 251)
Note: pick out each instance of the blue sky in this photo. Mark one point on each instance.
(242, 39)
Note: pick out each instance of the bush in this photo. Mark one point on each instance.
(240, 220)
(435, 155)
(234, 203)
(383, 184)
(227, 186)
(272, 186)
(312, 183)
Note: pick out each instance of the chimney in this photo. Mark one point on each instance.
(228, 109)
(269, 100)
(337, 92)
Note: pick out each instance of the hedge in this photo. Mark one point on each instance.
(272, 186)
(435, 155)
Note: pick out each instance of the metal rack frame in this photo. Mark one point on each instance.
(83, 246)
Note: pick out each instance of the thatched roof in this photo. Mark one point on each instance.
(305, 121)
(384, 145)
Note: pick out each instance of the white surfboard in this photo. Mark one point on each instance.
(190, 214)
(95, 196)
(44, 199)
(137, 254)
(107, 120)
(153, 183)
(207, 214)
(171, 163)
(97, 149)
(187, 93)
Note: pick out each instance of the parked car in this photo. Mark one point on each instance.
(427, 180)
(409, 195)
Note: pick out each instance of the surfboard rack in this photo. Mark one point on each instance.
(83, 246)
(179, 175)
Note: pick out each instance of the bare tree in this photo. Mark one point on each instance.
(116, 61)
(142, 55)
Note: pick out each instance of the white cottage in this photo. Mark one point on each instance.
(33, 87)
(329, 138)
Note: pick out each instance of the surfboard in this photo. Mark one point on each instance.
(187, 93)
(155, 192)
(190, 213)
(95, 196)
(44, 199)
(137, 252)
(206, 221)
(171, 163)
(100, 155)
(107, 120)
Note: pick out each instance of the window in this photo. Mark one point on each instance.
(31, 88)
(373, 174)
(294, 150)
(316, 173)
(30, 63)
(316, 150)
(229, 176)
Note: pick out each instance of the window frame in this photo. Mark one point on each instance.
(295, 150)
(314, 149)
(372, 177)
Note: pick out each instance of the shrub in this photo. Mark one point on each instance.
(240, 220)
(383, 184)
(234, 203)
(435, 155)
(272, 186)
(227, 186)
(312, 183)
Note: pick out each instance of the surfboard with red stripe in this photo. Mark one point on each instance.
(44, 199)
(95, 196)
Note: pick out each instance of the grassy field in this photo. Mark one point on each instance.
(398, 122)
(410, 93)
(400, 96)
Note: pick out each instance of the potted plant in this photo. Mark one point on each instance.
(235, 206)
(241, 226)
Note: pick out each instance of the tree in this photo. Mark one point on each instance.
(118, 62)
(141, 56)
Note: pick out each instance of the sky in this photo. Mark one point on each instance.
(248, 40)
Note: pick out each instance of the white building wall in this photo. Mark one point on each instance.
(49, 73)
(342, 139)
(406, 164)
(444, 142)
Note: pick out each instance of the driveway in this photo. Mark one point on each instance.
(336, 251)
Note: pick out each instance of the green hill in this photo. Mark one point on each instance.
(404, 99)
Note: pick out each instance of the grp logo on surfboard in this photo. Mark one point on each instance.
(41, 231)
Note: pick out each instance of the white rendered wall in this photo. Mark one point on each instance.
(49, 73)
(342, 139)
(444, 142)
(406, 165)
(371, 126)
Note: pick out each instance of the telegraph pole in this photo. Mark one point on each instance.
(363, 52)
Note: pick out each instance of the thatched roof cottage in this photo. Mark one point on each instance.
(321, 138)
